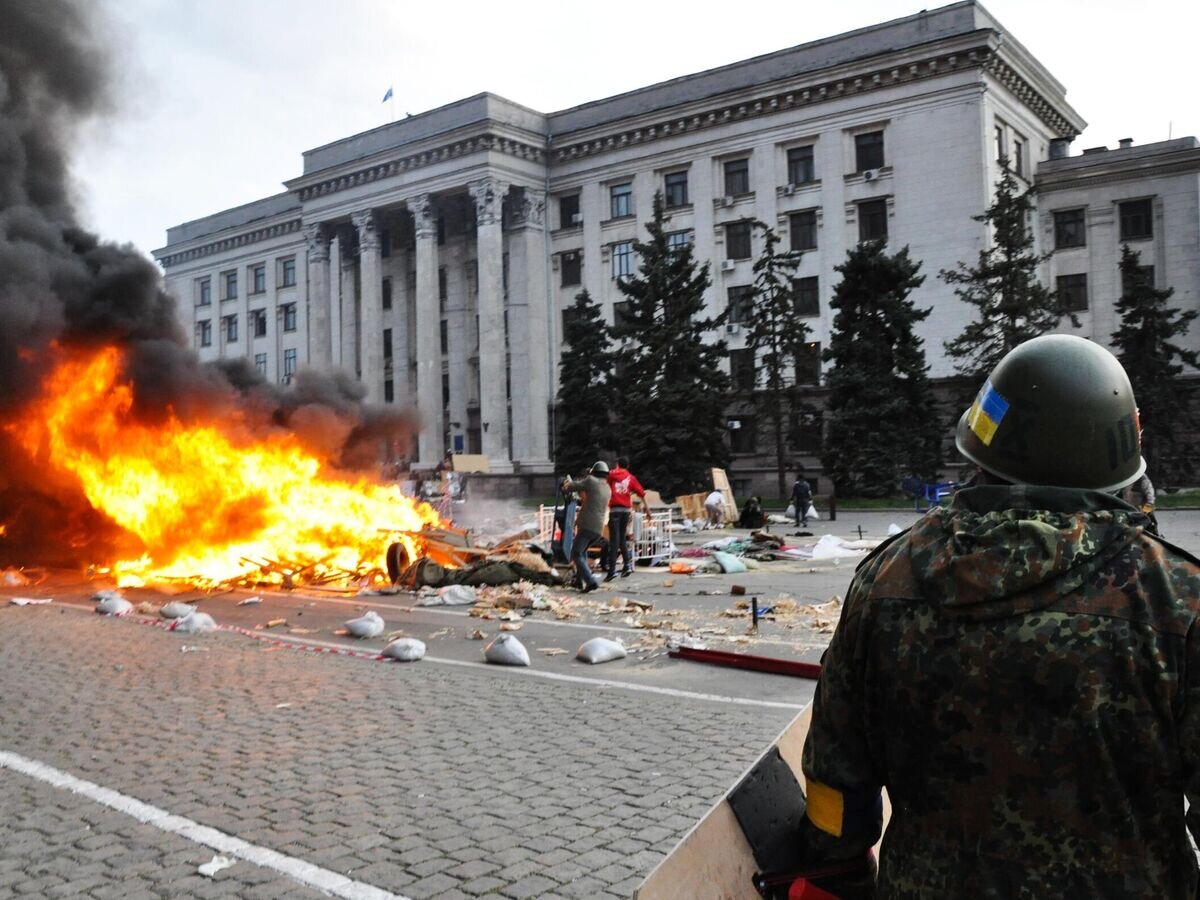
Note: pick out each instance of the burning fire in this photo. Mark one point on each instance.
(208, 501)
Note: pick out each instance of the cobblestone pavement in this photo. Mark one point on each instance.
(426, 780)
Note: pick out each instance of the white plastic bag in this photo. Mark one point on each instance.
(369, 625)
(791, 511)
(111, 603)
(506, 650)
(405, 650)
(451, 595)
(176, 609)
(812, 512)
(600, 650)
(194, 623)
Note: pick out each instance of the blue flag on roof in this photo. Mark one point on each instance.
(387, 96)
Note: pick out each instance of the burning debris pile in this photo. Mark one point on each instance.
(120, 449)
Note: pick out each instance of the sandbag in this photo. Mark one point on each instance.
(176, 609)
(600, 650)
(451, 595)
(405, 650)
(369, 625)
(729, 564)
(194, 623)
(111, 603)
(506, 650)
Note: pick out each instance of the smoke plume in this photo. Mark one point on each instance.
(61, 286)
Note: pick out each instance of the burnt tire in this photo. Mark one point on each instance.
(398, 561)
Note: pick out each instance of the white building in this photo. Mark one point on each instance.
(434, 256)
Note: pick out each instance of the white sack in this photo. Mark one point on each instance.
(405, 650)
(176, 609)
(506, 650)
(600, 650)
(830, 546)
(451, 595)
(812, 513)
(194, 623)
(112, 604)
(894, 529)
(369, 625)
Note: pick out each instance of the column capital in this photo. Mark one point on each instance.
(316, 234)
(532, 209)
(368, 234)
(488, 194)
(424, 221)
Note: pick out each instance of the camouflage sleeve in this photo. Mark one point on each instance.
(845, 814)
(1189, 732)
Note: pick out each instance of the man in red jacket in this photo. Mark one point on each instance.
(620, 509)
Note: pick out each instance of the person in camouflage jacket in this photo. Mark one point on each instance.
(1021, 672)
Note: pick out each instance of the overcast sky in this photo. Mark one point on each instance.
(219, 97)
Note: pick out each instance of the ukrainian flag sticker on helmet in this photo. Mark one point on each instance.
(986, 413)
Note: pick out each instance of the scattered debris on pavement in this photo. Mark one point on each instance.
(30, 601)
(215, 865)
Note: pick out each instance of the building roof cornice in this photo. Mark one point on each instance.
(229, 242)
(1115, 166)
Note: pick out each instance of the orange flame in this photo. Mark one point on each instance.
(204, 499)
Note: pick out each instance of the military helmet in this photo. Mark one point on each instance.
(1057, 410)
(599, 467)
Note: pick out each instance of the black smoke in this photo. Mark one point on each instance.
(62, 286)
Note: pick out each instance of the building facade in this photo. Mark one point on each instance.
(434, 257)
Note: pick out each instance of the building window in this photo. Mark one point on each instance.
(1072, 293)
(737, 177)
(621, 200)
(808, 296)
(1144, 275)
(204, 332)
(800, 166)
(289, 316)
(737, 240)
(742, 434)
(678, 240)
(568, 211)
(387, 350)
(386, 292)
(675, 187)
(287, 272)
(741, 304)
(741, 369)
(445, 389)
(258, 279)
(229, 280)
(258, 322)
(389, 391)
(1001, 155)
(803, 229)
(571, 264)
(289, 362)
(444, 330)
(1137, 220)
(808, 363)
(1069, 230)
(868, 151)
(622, 259)
(806, 436)
(872, 221)
(385, 242)
(442, 286)
(260, 363)
(230, 324)
(1018, 156)
(204, 292)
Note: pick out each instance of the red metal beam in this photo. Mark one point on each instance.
(771, 664)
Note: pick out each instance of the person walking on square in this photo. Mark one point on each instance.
(624, 486)
(593, 515)
(801, 500)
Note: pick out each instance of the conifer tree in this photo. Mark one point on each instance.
(585, 388)
(776, 335)
(883, 416)
(1147, 345)
(670, 408)
(1012, 306)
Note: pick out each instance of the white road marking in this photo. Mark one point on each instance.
(297, 869)
(534, 673)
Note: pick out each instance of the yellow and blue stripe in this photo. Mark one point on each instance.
(986, 413)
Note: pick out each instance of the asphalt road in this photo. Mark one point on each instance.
(130, 755)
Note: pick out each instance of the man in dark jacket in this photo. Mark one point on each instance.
(1021, 670)
(591, 519)
(801, 500)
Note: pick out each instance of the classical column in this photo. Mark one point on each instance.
(319, 299)
(488, 194)
(529, 344)
(350, 313)
(371, 302)
(428, 332)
